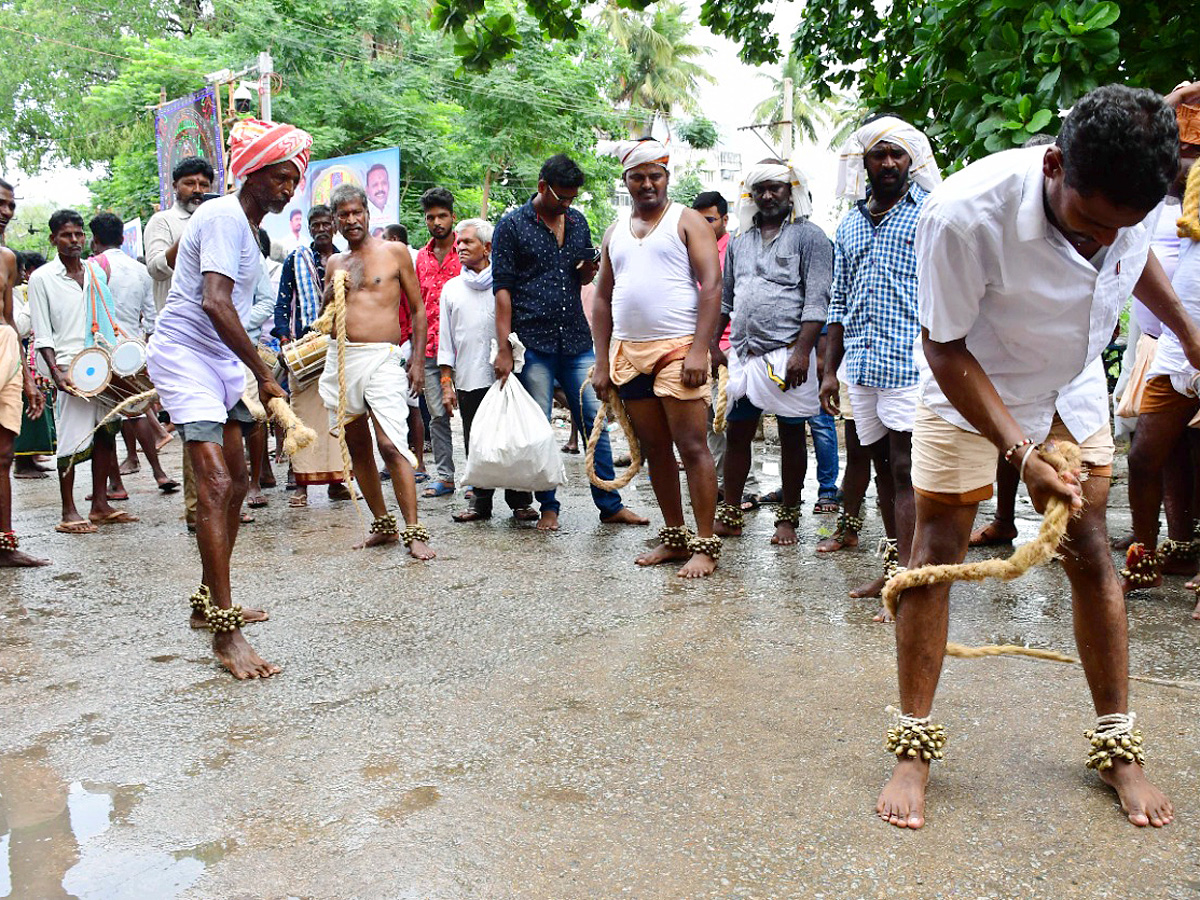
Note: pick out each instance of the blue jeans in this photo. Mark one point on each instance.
(570, 370)
(825, 447)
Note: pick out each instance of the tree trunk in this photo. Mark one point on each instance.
(487, 190)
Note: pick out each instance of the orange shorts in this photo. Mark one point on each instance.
(1160, 396)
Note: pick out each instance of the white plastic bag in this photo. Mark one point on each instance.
(513, 444)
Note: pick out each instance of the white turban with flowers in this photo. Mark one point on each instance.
(852, 169)
(789, 174)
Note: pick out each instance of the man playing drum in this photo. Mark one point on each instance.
(62, 323)
(196, 356)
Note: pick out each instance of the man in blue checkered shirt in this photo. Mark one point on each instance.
(888, 168)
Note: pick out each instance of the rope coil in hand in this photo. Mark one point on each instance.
(1065, 458)
(721, 404)
(635, 449)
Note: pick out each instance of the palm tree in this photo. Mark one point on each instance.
(661, 70)
(808, 112)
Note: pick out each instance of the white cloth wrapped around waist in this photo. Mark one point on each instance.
(752, 378)
(193, 386)
(375, 382)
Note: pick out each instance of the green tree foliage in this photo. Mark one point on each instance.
(977, 75)
(358, 77)
(686, 189)
(699, 132)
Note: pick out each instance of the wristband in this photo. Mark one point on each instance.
(1025, 459)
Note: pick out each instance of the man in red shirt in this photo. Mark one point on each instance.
(437, 263)
(715, 209)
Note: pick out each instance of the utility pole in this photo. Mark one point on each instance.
(789, 129)
(266, 68)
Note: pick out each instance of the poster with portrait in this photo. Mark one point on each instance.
(131, 242)
(377, 172)
(187, 127)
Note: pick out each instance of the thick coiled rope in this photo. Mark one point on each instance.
(635, 450)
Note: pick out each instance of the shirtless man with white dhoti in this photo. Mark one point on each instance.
(372, 378)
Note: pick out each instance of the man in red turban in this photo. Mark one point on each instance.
(196, 360)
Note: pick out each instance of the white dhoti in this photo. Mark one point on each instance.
(76, 419)
(760, 380)
(376, 383)
(192, 386)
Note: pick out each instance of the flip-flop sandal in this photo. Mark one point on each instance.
(169, 487)
(750, 501)
(526, 514)
(76, 528)
(33, 474)
(257, 503)
(775, 497)
(984, 537)
(298, 501)
(420, 477)
(439, 489)
(825, 505)
(572, 450)
(116, 517)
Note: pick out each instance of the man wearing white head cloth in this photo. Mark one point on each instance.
(873, 317)
(776, 291)
(196, 358)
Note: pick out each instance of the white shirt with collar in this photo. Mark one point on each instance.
(161, 232)
(991, 268)
(132, 291)
(466, 329)
(58, 311)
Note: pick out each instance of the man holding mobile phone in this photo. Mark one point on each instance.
(541, 254)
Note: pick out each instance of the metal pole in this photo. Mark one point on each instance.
(788, 128)
(266, 66)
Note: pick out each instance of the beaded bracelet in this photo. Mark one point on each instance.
(1008, 454)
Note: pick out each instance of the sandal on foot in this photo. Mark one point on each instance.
(774, 497)
(420, 476)
(825, 505)
(526, 514)
(439, 489)
(987, 536)
(169, 486)
(116, 517)
(298, 501)
(76, 528)
(257, 502)
(750, 501)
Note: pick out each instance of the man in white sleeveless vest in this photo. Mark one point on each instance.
(652, 326)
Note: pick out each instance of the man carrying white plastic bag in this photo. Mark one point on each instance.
(512, 443)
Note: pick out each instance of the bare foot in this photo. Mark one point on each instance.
(252, 616)
(15, 559)
(625, 517)
(1122, 542)
(902, 801)
(1141, 801)
(1196, 611)
(785, 535)
(870, 589)
(882, 616)
(723, 530)
(993, 534)
(130, 466)
(549, 521)
(420, 550)
(235, 654)
(378, 540)
(701, 565)
(846, 541)
(662, 554)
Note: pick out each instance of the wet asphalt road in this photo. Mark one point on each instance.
(533, 716)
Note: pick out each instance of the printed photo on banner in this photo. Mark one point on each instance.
(377, 172)
(187, 127)
(131, 242)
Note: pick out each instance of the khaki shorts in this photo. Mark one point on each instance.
(1159, 396)
(632, 367)
(958, 467)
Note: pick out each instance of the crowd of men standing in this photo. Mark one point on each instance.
(955, 326)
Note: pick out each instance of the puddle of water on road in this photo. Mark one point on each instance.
(50, 843)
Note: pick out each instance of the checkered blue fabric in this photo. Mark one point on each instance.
(874, 295)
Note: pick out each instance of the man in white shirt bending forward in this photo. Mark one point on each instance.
(1024, 260)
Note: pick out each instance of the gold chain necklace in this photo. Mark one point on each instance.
(646, 236)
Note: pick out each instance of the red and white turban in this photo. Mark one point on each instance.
(634, 153)
(254, 145)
